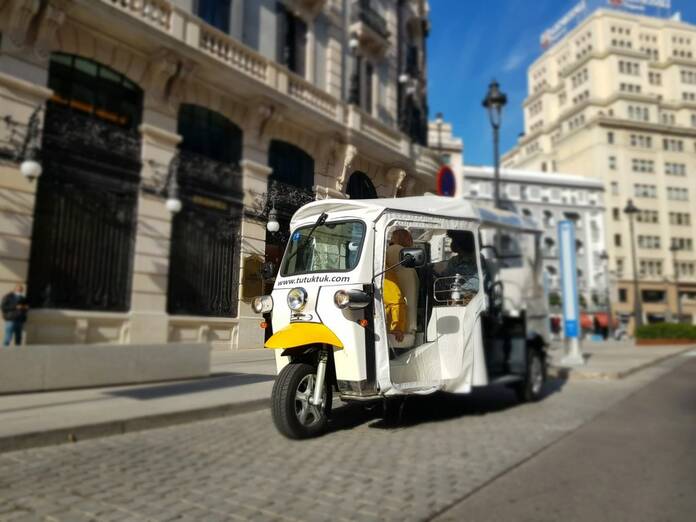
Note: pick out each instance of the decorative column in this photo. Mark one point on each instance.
(252, 252)
(149, 322)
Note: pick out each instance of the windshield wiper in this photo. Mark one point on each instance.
(320, 221)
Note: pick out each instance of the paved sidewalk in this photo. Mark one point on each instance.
(612, 359)
(240, 382)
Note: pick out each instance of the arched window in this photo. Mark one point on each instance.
(204, 251)
(360, 186)
(85, 212)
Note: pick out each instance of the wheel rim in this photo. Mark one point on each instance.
(536, 375)
(307, 413)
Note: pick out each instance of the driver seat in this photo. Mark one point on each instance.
(410, 286)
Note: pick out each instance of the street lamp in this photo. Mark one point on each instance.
(494, 101)
(605, 259)
(674, 248)
(631, 210)
(273, 225)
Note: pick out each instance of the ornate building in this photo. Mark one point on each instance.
(230, 110)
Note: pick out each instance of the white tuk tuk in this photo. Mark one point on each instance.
(382, 298)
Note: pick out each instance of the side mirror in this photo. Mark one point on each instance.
(413, 257)
(267, 270)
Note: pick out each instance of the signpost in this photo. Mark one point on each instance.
(569, 288)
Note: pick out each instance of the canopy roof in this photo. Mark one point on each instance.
(372, 209)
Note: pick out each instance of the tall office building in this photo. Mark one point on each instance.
(615, 98)
(236, 111)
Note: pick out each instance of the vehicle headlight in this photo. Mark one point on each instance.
(262, 304)
(352, 299)
(297, 299)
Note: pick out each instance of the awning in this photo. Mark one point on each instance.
(603, 320)
(586, 321)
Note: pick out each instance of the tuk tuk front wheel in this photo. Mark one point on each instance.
(293, 413)
(530, 389)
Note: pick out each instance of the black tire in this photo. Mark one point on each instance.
(293, 380)
(532, 387)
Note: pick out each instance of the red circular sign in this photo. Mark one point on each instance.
(446, 182)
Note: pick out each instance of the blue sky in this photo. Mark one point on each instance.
(473, 41)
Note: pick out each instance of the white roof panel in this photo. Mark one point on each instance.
(372, 209)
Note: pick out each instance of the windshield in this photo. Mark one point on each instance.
(332, 247)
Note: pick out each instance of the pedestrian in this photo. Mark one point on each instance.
(14, 312)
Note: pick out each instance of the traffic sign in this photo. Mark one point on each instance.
(446, 182)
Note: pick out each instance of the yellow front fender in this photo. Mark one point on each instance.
(301, 334)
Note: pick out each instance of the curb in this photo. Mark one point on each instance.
(576, 374)
(119, 427)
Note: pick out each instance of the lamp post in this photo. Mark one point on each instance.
(674, 248)
(494, 102)
(631, 210)
(605, 259)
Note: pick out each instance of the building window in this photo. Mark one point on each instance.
(614, 188)
(678, 193)
(675, 169)
(623, 295)
(610, 138)
(612, 162)
(644, 191)
(682, 243)
(617, 240)
(214, 12)
(650, 267)
(647, 216)
(653, 296)
(292, 40)
(680, 218)
(368, 87)
(616, 213)
(649, 242)
(641, 165)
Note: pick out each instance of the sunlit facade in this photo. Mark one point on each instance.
(227, 109)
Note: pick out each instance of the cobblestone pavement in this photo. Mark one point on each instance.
(239, 468)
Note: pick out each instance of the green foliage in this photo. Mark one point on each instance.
(666, 331)
(554, 299)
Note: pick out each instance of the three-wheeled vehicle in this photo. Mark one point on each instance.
(376, 299)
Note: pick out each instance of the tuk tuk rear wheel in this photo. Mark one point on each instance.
(530, 389)
(293, 414)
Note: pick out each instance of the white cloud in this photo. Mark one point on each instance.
(514, 60)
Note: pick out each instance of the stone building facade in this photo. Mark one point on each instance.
(232, 108)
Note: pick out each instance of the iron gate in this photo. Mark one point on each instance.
(204, 259)
(85, 214)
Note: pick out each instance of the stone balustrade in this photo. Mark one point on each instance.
(312, 96)
(194, 32)
(155, 12)
(228, 50)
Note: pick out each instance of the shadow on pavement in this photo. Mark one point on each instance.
(228, 380)
(417, 409)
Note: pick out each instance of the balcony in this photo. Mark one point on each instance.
(272, 81)
(308, 8)
(369, 27)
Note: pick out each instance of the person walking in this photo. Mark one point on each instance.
(14, 312)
